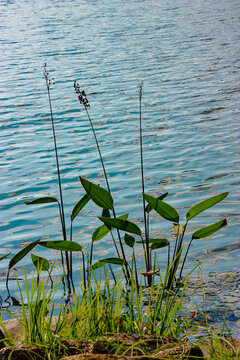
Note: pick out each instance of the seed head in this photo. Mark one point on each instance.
(82, 97)
(49, 81)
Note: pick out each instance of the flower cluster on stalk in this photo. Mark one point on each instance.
(49, 81)
(82, 97)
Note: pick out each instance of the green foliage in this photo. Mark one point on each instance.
(4, 256)
(159, 243)
(40, 263)
(209, 230)
(103, 230)
(129, 240)
(100, 196)
(22, 253)
(120, 224)
(111, 309)
(61, 245)
(43, 200)
(149, 207)
(162, 208)
(102, 262)
(79, 206)
(204, 205)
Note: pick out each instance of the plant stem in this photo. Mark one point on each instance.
(108, 187)
(148, 257)
(58, 170)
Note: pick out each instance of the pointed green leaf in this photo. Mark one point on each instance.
(100, 196)
(62, 245)
(4, 256)
(43, 200)
(209, 230)
(106, 213)
(120, 224)
(40, 263)
(205, 204)
(129, 240)
(159, 243)
(151, 241)
(114, 261)
(103, 230)
(79, 206)
(161, 197)
(22, 253)
(100, 232)
(162, 208)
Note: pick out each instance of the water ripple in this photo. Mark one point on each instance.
(187, 54)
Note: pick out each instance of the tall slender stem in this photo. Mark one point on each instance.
(48, 83)
(185, 257)
(83, 99)
(57, 163)
(148, 257)
(108, 187)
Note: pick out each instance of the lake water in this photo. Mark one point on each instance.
(187, 55)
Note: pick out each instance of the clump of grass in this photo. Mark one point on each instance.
(96, 310)
(104, 311)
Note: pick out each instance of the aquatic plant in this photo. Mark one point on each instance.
(129, 234)
(165, 210)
